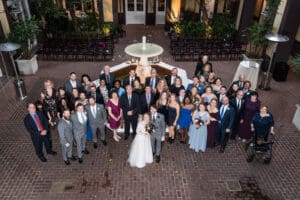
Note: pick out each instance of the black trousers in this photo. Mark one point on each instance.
(133, 123)
(221, 136)
(38, 144)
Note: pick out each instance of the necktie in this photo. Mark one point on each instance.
(82, 118)
(151, 83)
(153, 118)
(129, 100)
(131, 81)
(107, 79)
(241, 84)
(222, 111)
(148, 99)
(94, 111)
(38, 122)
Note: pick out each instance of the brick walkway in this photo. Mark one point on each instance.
(182, 174)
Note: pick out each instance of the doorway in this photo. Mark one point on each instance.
(135, 11)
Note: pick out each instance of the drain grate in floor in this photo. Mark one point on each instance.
(233, 186)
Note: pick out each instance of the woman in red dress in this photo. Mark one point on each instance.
(115, 114)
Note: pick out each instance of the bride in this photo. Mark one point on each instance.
(141, 151)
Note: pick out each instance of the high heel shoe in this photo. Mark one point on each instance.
(116, 139)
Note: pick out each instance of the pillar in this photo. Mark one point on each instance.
(247, 14)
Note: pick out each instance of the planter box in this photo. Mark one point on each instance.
(27, 67)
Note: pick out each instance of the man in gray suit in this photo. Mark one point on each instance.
(65, 133)
(158, 135)
(97, 118)
(79, 121)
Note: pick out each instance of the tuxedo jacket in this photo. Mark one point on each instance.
(99, 97)
(134, 106)
(68, 86)
(143, 101)
(126, 80)
(148, 79)
(111, 80)
(238, 83)
(228, 118)
(238, 112)
(168, 80)
(31, 127)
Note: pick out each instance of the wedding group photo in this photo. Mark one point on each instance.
(149, 99)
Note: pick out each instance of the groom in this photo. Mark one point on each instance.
(158, 135)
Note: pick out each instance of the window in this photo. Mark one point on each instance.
(160, 5)
(130, 5)
(139, 5)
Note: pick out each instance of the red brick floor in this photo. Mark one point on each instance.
(182, 174)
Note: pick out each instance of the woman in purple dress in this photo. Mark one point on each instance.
(115, 114)
(213, 111)
(252, 105)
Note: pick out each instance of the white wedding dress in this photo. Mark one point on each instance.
(140, 152)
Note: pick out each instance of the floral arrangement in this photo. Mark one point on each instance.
(199, 122)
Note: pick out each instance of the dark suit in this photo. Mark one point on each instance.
(238, 115)
(169, 80)
(148, 81)
(145, 107)
(126, 80)
(98, 96)
(239, 83)
(219, 100)
(134, 106)
(68, 86)
(36, 137)
(199, 68)
(225, 122)
(111, 80)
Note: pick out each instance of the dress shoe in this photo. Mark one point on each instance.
(126, 137)
(157, 159)
(67, 162)
(222, 150)
(43, 159)
(52, 153)
(85, 151)
(80, 160)
(95, 145)
(104, 142)
(73, 158)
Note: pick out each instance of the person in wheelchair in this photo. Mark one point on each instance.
(262, 124)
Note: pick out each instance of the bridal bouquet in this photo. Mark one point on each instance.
(150, 128)
(199, 122)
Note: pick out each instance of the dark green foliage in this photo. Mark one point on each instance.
(222, 25)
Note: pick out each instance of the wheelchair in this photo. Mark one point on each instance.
(259, 149)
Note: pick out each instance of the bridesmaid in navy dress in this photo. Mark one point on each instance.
(252, 105)
(185, 118)
(213, 111)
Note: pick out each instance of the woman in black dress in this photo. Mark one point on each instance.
(162, 104)
(173, 115)
(177, 86)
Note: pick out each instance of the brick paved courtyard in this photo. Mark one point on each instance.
(182, 173)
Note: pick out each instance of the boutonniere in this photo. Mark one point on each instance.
(248, 93)
(158, 117)
(228, 108)
(98, 108)
(267, 115)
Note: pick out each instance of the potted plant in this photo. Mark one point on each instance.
(24, 33)
(106, 29)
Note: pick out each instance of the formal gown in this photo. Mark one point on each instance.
(185, 118)
(171, 115)
(211, 130)
(116, 110)
(198, 136)
(140, 152)
(244, 130)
